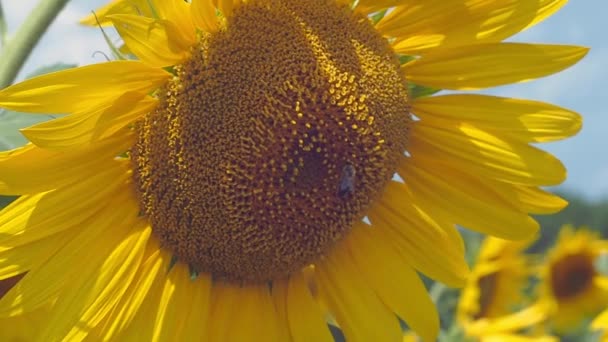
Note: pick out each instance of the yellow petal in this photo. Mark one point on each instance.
(20, 259)
(299, 310)
(78, 260)
(179, 305)
(513, 337)
(30, 218)
(395, 282)
(420, 26)
(203, 15)
(85, 303)
(370, 6)
(527, 317)
(80, 129)
(239, 313)
(401, 222)
(19, 328)
(156, 42)
(468, 202)
(601, 321)
(528, 121)
(529, 199)
(488, 65)
(80, 88)
(226, 7)
(30, 169)
(152, 269)
(134, 7)
(358, 310)
(178, 13)
(485, 154)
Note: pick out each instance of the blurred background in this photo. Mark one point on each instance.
(581, 88)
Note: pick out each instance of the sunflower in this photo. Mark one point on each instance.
(496, 282)
(494, 291)
(571, 287)
(238, 179)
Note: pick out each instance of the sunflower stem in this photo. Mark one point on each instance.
(3, 27)
(17, 50)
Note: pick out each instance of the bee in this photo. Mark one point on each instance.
(346, 188)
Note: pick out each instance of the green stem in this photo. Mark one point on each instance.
(15, 53)
(2, 27)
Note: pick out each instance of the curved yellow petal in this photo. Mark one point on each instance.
(83, 128)
(20, 259)
(19, 328)
(485, 154)
(358, 310)
(78, 260)
(401, 222)
(85, 303)
(528, 199)
(196, 294)
(204, 16)
(601, 321)
(178, 13)
(134, 7)
(469, 203)
(419, 26)
(240, 312)
(488, 65)
(528, 121)
(299, 311)
(34, 217)
(156, 42)
(152, 269)
(30, 169)
(179, 303)
(395, 282)
(81, 88)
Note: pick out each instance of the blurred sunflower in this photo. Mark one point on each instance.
(494, 291)
(571, 287)
(239, 177)
(496, 281)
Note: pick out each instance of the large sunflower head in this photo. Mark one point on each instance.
(240, 174)
(571, 286)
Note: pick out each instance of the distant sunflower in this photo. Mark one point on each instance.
(496, 281)
(571, 288)
(239, 177)
(494, 291)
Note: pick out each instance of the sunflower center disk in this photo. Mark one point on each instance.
(572, 275)
(272, 139)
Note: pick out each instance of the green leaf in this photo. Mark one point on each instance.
(6, 200)
(11, 122)
(405, 58)
(376, 17)
(417, 91)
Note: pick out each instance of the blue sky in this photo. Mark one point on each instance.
(581, 88)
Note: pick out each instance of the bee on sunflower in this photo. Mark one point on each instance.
(191, 194)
